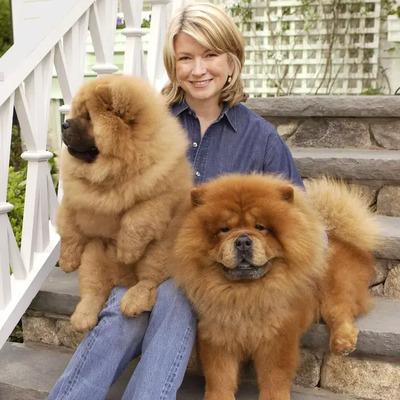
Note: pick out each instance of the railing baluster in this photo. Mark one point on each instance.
(134, 62)
(74, 44)
(160, 12)
(63, 72)
(6, 112)
(71, 47)
(102, 25)
(5, 284)
(6, 115)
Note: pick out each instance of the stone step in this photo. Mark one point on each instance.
(354, 164)
(390, 227)
(326, 106)
(379, 329)
(29, 371)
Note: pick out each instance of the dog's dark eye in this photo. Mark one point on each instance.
(131, 122)
(88, 117)
(260, 227)
(225, 229)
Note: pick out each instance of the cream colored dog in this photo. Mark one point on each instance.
(125, 178)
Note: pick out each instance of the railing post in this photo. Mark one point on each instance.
(134, 63)
(160, 14)
(6, 111)
(102, 25)
(5, 141)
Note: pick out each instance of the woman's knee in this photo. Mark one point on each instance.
(112, 316)
(168, 292)
(169, 298)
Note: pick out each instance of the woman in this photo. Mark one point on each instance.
(203, 56)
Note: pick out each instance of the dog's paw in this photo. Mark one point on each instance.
(130, 249)
(219, 396)
(343, 341)
(68, 264)
(137, 300)
(86, 314)
(83, 321)
(127, 256)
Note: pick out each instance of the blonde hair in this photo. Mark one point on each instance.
(215, 30)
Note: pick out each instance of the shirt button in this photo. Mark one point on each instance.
(194, 144)
(197, 173)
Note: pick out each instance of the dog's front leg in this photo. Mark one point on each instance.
(151, 271)
(72, 240)
(221, 370)
(94, 286)
(140, 225)
(276, 362)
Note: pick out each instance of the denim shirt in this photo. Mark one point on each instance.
(239, 141)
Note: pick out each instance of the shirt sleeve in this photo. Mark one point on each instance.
(278, 159)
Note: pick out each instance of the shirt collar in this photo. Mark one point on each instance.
(229, 112)
(178, 108)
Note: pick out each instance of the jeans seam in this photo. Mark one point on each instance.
(72, 381)
(175, 365)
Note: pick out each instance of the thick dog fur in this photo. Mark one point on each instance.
(252, 258)
(125, 177)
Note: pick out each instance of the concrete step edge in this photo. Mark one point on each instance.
(326, 106)
(340, 153)
(355, 164)
(29, 371)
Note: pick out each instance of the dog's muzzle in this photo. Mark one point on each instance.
(245, 269)
(79, 144)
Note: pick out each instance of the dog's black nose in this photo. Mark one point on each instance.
(243, 243)
(65, 125)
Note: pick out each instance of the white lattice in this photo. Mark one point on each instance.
(333, 50)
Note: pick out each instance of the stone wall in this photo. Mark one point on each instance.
(353, 122)
(329, 122)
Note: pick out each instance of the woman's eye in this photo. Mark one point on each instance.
(184, 58)
(209, 55)
(225, 229)
(260, 227)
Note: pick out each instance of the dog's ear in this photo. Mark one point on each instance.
(287, 194)
(196, 195)
(103, 92)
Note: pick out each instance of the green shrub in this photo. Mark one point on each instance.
(17, 173)
(6, 39)
(16, 196)
(16, 149)
(16, 184)
(372, 92)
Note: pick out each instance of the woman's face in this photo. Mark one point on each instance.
(201, 73)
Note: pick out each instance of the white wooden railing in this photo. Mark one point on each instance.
(48, 35)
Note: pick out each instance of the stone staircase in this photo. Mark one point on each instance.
(354, 138)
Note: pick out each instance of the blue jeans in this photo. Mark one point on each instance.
(164, 338)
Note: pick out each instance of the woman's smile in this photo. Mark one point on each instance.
(201, 84)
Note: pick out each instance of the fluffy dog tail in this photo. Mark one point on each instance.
(345, 212)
